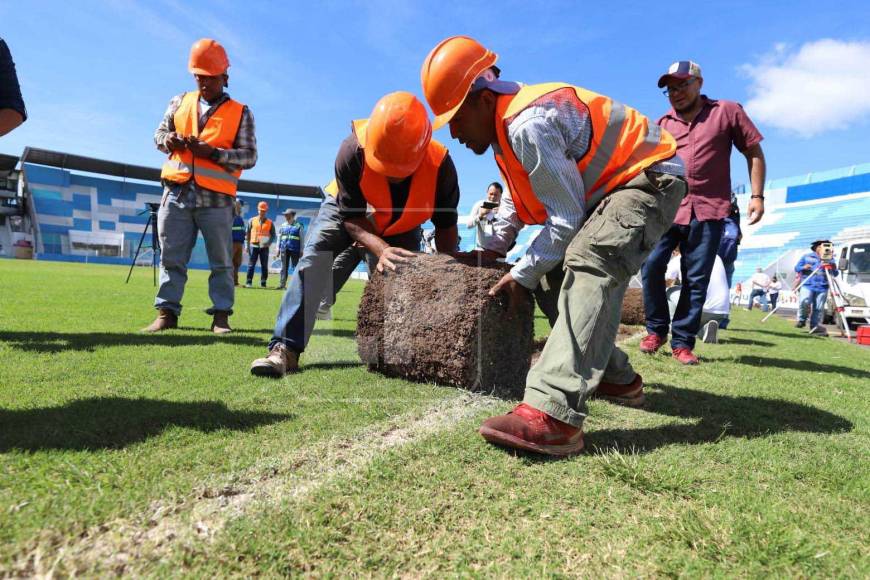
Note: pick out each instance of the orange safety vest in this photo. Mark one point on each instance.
(220, 131)
(421, 197)
(259, 229)
(623, 144)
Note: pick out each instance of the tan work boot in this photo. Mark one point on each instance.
(165, 320)
(220, 324)
(281, 360)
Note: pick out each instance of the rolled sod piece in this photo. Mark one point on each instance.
(433, 321)
(632, 307)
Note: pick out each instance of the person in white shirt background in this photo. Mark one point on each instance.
(760, 283)
(773, 291)
(716, 311)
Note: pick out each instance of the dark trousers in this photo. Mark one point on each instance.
(698, 243)
(287, 257)
(261, 254)
(773, 298)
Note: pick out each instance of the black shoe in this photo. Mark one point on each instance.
(800, 324)
(262, 284)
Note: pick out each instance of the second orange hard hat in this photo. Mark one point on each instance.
(397, 135)
(208, 57)
(448, 73)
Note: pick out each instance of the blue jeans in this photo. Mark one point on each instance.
(255, 254)
(178, 222)
(699, 242)
(313, 275)
(762, 298)
(812, 302)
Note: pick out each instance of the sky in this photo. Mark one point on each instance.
(97, 75)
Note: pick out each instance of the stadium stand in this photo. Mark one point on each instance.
(79, 209)
(828, 204)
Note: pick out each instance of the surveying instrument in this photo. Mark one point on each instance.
(151, 209)
(826, 252)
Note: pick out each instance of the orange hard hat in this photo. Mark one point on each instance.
(397, 135)
(208, 57)
(262, 206)
(448, 73)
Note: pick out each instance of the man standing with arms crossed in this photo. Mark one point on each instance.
(605, 184)
(705, 130)
(209, 138)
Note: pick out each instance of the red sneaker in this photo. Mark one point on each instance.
(630, 395)
(685, 356)
(651, 343)
(532, 430)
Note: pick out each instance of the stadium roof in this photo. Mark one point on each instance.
(73, 162)
(8, 162)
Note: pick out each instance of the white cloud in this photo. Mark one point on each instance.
(821, 86)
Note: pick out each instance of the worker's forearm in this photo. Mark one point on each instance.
(360, 230)
(446, 239)
(9, 119)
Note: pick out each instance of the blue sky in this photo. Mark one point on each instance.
(97, 75)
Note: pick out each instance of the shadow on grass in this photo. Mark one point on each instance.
(113, 422)
(331, 365)
(719, 416)
(53, 342)
(340, 332)
(744, 341)
(801, 365)
(796, 334)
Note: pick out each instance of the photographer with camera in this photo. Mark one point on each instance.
(483, 215)
(209, 139)
(814, 289)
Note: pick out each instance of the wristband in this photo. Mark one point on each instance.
(756, 197)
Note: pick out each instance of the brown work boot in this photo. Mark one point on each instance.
(281, 360)
(165, 320)
(220, 324)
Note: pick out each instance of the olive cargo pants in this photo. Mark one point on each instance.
(610, 247)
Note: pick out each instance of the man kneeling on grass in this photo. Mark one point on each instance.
(391, 163)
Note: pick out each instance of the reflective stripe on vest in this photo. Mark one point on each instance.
(219, 131)
(623, 144)
(421, 196)
(259, 229)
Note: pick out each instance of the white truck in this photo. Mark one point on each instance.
(853, 261)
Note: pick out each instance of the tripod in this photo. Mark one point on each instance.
(835, 292)
(155, 241)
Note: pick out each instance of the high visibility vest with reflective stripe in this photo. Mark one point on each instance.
(219, 131)
(623, 143)
(421, 197)
(259, 229)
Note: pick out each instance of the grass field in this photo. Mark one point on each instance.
(160, 455)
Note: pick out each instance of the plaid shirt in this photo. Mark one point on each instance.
(243, 155)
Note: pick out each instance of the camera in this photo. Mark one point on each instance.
(826, 250)
(489, 205)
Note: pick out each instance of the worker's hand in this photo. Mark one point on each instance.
(481, 213)
(199, 148)
(756, 210)
(174, 142)
(481, 257)
(517, 294)
(392, 256)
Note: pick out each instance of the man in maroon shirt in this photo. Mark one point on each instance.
(705, 130)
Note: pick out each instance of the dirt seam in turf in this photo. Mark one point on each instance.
(128, 545)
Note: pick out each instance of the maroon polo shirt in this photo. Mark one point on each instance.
(705, 147)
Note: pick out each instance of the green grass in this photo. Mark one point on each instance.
(753, 463)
